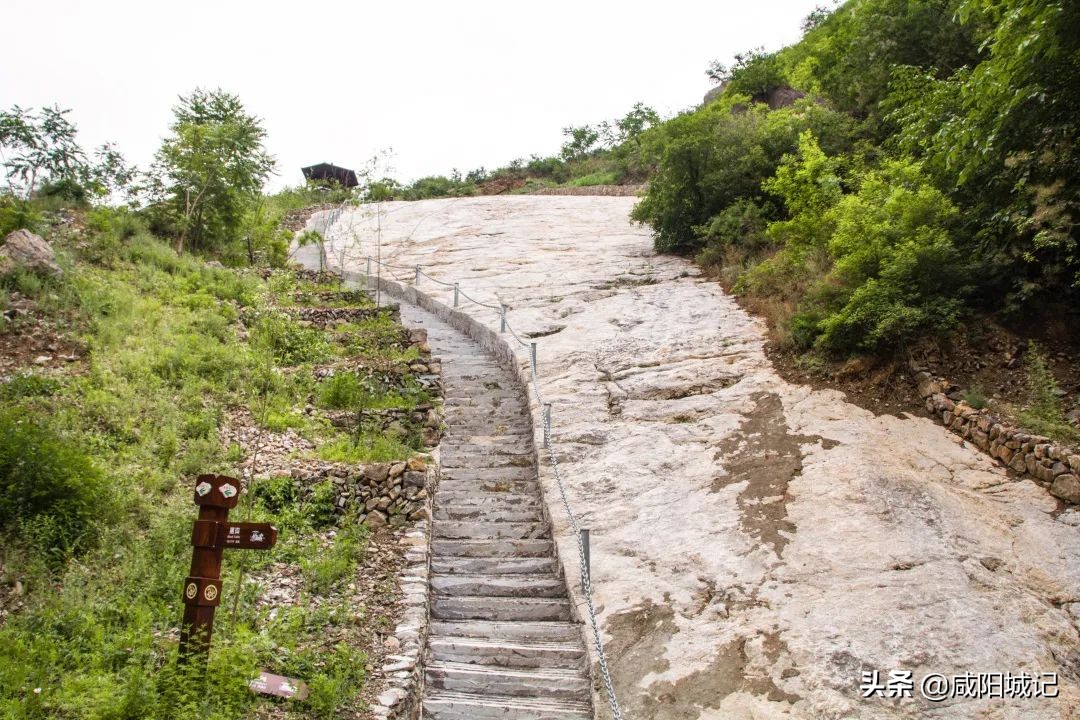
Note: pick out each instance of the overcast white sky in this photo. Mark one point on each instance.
(444, 84)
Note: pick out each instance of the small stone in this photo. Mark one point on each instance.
(391, 697)
(415, 479)
(417, 465)
(1066, 487)
(376, 519)
(1059, 468)
(42, 359)
(397, 469)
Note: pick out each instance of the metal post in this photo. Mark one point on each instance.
(456, 290)
(417, 281)
(369, 266)
(532, 358)
(502, 313)
(547, 424)
(585, 552)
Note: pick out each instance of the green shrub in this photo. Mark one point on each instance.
(975, 397)
(596, 178)
(1045, 413)
(287, 341)
(711, 158)
(898, 271)
(16, 214)
(343, 391)
(50, 492)
(736, 233)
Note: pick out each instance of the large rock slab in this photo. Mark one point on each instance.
(756, 545)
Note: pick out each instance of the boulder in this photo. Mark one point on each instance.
(781, 97)
(1066, 487)
(24, 249)
(714, 93)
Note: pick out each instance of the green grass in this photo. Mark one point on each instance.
(368, 447)
(975, 397)
(596, 178)
(326, 567)
(170, 346)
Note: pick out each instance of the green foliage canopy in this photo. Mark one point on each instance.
(210, 167)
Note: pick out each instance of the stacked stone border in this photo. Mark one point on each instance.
(498, 346)
(606, 190)
(1054, 465)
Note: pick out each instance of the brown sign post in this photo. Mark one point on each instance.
(211, 534)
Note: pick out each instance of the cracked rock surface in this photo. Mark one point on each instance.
(756, 545)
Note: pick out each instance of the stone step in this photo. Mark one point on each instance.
(479, 585)
(556, 683)
(493, 566)
(483, 460)
(486, 530)
(523, 486)
(444, 705)
(446, 448)
(481, 437)
(512, 632)
(500, 548)
(512, 448)
(502, 653)
(499, 608)
(488, 514)
(451, 475)
(484, 398)
(493, 500)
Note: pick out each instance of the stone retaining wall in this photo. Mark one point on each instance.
(609, 190)
(1056, 466)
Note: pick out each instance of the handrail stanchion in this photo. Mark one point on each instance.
(585, 551)
(502, 314)
(416, 283)
(457, 290)
(547, 425)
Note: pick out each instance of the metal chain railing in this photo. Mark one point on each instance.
(553, 458)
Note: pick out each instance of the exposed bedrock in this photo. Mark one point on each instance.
(756, 545)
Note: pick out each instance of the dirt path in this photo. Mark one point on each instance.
(757, 545)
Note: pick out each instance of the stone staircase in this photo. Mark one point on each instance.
(501, 642)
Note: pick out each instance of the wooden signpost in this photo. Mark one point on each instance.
(211, 534)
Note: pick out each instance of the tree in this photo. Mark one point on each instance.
(631, 126)
(1002, 137)
(580, 141)
(40, 146)
(210, 168)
